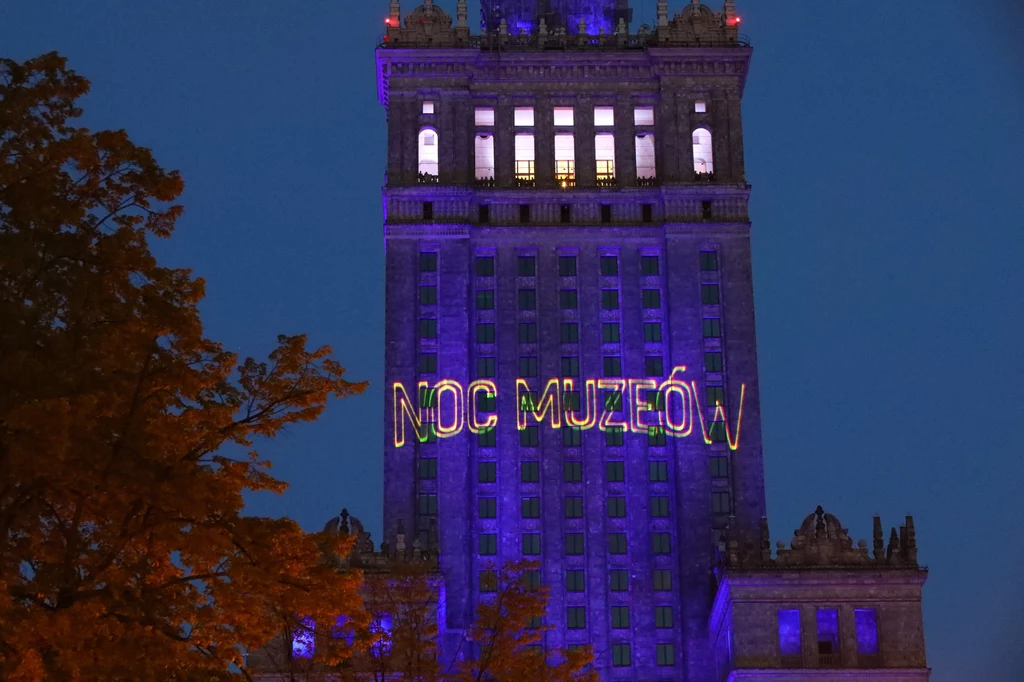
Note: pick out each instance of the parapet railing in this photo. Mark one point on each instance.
(533, 42)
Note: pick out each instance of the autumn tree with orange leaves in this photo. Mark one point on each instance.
(123, 551)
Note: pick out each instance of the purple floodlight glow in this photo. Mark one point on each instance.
(867, 631)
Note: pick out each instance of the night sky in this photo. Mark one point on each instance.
(883, 143)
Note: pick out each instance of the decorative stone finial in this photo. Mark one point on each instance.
(621, 28)
(662, 13)
(879, 539)
(542, 28)
(894, 546)
(400, 537)
(344, 521)
(395, 19)
(910, 549)
(462, 14)
(582, 26)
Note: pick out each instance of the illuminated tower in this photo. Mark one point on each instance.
(571, 364)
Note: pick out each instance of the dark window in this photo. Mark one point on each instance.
(661, 543)
(609, 266)
(571, 366)
(653, 366)
(606, 213)
(531, 507)
(666, 654)
(655, 400)
(531, 544)
(663, 617)
(617, 507)
(715, 395)
(570, 334)
(527, 299)
(659, 507)
(574, 472)
(431, 434)
(485, 299)
(428, 210)
(647, 213)
(485, 333)
(527, 266)
(567, 266)
(712, 328)
(524, 213)
(484, 212)
(652, 332)
(485, 266)
(528, 401)
(610, 299)
(566, 213)
(528, 367)
(569, 299)
(575, 581)
(619, 580)
(616, 543)
(719, 467)
(649, 266)
(709, 294)
(616, 472)
(613, 366)
(717, 432)
(720, 503)
(529, 437)
(659, 472)
(652, 299)
(656, 436)
(428, 295)
(527, 332)
(486, 472)
(576, 616)
(713, 362)
(428, 468)
(428, 261)
(610, 332)
(428, 363)
(531, 580)
(572, 436)
(612, 401)
(488, 581)
(428, 504)
(428, 329)
(620, 617)
(662, 580)
(705, 210)
(485, 368)
(574, 544)
(487, 438)
(488, 543)
(487, 507)
(614, 437)
(571, 401)
(530, 472)
(574, 507)
(621, 656)
(708, 260)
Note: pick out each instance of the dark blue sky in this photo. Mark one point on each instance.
(884, 147)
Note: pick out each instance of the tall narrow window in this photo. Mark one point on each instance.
(484, 156)
(525, 157)
(703, 156)
(565, 159)
(789, 638)
(828, 637)
(866, 621)
(428, 152)
(604, 146)
(645, 166)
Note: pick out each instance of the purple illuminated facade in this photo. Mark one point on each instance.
(574, 208)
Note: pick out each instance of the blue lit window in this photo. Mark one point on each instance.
(789, 633)
(530, 472)
(867, 631)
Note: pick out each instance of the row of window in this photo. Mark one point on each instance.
(487, 472)
(791, 640)
(487, 507)
(487, 544)
(526, 265)
(575, 581)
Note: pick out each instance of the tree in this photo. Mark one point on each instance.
(127, 437)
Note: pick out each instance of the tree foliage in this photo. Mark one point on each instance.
(123, 551)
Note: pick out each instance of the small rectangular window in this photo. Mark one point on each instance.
(606, 213)
(531, 544)
(705, 210)
(571, 401)
(571, 366)
(485, 366)
(709, 294)
(527, 332)
(488, 544)
(570, 333)
(528, 367)
(616, 507)
(485, 299)
(610, 299)
(713, 362)
(484, 116)
(530, 472)
(485, 266)
(428, 329)
(428, 504)
(487, 438)
(572, 436)
(659, 472)
(428, 295)
(790, 644)
(609, 266)
(663, 617)
(610, 332)
(712, 328)
(828, 632)
(714, 395)
(428, 363)
(484, 214)
(428, 107)
(574, 507)
(529, 437)
(575, 581)
(656, 437)
(616, 473)
(614, 437)
(621, 656)
(486, 472)
(486, 402)
(620, 617)
(643, 116)
(576, 616)
(527, 299)
(604, 116)
(531, 507)
(649, 266)
(564, 116)
(659, 507)
(616, 543)
(613, 366)
(652, 334)
(700, 106)
(428, 261)
(651, 299)
(428, 210)
(662, 580)
(619, 580)
(647, 213)
(566, 213)
(567, 266)
(526, 266)
(708, 260)
(654, 366)
(866, 622)
(573, 472)
(612, 401)
(720, 467)
(428, 468)
(569, 299)
(523, 116)
(666, 654)
(573, 544)
(661, 543)
(485, 333)
(524, 213)
(431, 434)
(721, 503)
(488, 581)
(487, 507)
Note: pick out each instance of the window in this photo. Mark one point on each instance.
(574, 544)
(526, 266)
(703, 156)
(646, 213)
(530, 473)
(614, 437)
(565, 213)
(428, 261)
(428, 468)
(431, 435)
(828, 633)
(531, 544)
(428, 504)
(529, 437)
(616, 543)
(573, 472)
(652, 299)
(576, 616)
(643, 116)
(606, 213)
(620, 616)
(617, 507)
(485, 299)
(659, 472)
(484, 366)
(655, 400)
(719, 467)
(570, 333)
(616, 472)
(428, 295)
(567, 266)
(484, 116)
(866, 621)
(713, 362)
(652, 334)
(531, 507)
(662, 616)
(488, 581)
(649, 266)
(531, 580)
(574, 507)
(527, 299)
(610, 299)
(705, 210)
(428, 397)
(712, 328)
(662, 580)
(485, 266)
(525, 157)
(528, 401)
(661, 543)
(653, 366)
(484, 156)
(716, 431)
(564, 116)
(666, 654)
(527, 332)
(709, 294)
(565, 159)
(428, 329)
(659, 507)
(569, 299)
(487, 507)
(619, 580)
(428, 107)
(575, 581)
(646, 166)
(572, 436)
(720, 503)
(428, 210)
(610, 332)
(485, 333)
(524, 213)
(708, 260)
(570, 365)
(656, 436)
(484, 213)
(428, 152)
(604, 151)
(612, 401)
(571, 401)
(609, 266)
(700, 106)
(488, 438)
(428, 363)
(714, 395)
(523, 116)
(486, 472)
(790, 645)
(613, 366)
(604, 116)
(621, 656)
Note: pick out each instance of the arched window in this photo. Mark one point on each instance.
(484, 156)
(703, 156)
(428, 151)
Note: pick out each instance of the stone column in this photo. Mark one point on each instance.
(685, 114)
(809, 635)
(504, 143)
(586, 165)
(544, 141)
(625, 142)
(463, 134)
(666, 139)
(410, 116)
(847, 637)
(719, 107)
(736, 160)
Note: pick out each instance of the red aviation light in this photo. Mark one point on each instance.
(734, 21)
